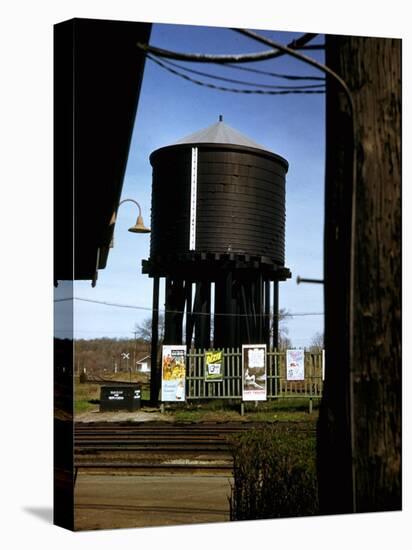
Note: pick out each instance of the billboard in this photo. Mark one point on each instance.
(213, 366)
(173, 373)
(295, 364)
(254, 372)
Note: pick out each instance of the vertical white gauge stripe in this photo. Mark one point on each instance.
(193, 200)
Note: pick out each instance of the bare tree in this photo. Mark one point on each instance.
(317, 342)
(284, 341)
(143, 330)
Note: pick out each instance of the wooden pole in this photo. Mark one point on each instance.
(245, 311)
(175, 303)
(360, 415)
(219, 328)
(229, 320)
(189, 315)
(275, 322)
(267, 314)
(202, 319)
(154, 370)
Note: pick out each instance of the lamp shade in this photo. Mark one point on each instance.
(139, 226)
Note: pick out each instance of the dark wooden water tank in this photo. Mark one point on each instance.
(237, 187)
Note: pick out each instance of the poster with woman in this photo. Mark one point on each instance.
(173, 373)
(295, 364)
(254, 372)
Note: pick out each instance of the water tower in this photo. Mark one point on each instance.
(218, 238)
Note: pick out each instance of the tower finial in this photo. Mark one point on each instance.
(220, 118)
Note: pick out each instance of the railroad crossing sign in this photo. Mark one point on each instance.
(125, 355)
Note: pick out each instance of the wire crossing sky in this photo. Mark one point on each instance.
(171, 107)
(280, 89)
(194, 313)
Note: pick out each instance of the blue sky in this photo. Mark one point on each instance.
(169, 109)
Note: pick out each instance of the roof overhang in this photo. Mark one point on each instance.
(97, 77)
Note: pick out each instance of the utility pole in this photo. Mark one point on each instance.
(126, 356)
(360, 416)
(135, 349)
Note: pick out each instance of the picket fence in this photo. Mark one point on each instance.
(278, 387)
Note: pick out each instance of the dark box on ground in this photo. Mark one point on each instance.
(120, 398)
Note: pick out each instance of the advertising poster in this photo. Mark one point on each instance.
(173, 373)
(295, 364)
(254, 372)
(213, 366)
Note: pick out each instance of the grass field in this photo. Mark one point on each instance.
(86, 396)
(289, 409)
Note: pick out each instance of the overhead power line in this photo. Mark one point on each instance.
(237, 58)
(234, 90)
(308, 60)
(146, 308)
(275, 75)
(235, 81)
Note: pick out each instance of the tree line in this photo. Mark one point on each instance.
(106, 354)
(101, 354)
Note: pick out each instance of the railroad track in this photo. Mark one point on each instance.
(101, 381)
(161, 446)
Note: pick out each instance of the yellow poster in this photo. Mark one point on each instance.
(213, 366)
(174, 373)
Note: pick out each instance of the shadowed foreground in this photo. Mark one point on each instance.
(124, 501)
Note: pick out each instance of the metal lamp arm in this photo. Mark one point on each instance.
(135, 202)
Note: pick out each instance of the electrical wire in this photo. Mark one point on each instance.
(146, 308)
(235, 81)
(275, 75)
(312, 47)
(301, 57)
(237, 58)
(234, 90)
(124, 337)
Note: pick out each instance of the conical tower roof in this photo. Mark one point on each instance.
(220, 133)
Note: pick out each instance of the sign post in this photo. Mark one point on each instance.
(126, 356)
